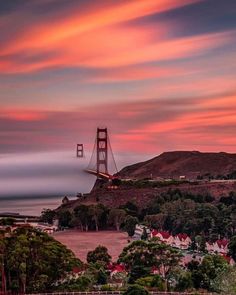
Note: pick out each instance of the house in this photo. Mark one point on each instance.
(65, 200)
(181, 241)
(219, 246)
(139, 231)
(164, 236)
(114, 269)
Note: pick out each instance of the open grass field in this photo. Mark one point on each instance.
(82, 242)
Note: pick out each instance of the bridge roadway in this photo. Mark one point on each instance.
(100, 174)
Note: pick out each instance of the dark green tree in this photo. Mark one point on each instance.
(148, 254)
(36, 258)
(130, 224)
(136, 290)
(81, 213)
(65, 218)
(117, 217)
(204, 274)
(96, 213)
(47, 216)
(144, 234)
(232, 247)
(7, 221)
(101, 277)
(100, 255)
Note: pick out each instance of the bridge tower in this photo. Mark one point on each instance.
(102, 150)
(102, 163)
(80, 150)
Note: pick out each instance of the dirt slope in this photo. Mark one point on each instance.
(179, 163)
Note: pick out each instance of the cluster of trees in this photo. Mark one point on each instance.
(195, 215)
(231, 175)
(32, 261)
(150, 183)
(156, 266)
(96, 217)
(174, 211)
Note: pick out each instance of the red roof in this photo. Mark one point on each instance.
(182, 236)
(119, 268)
(110, 266)
(164, 234)
(222, 243)
(116, 267)
(154, 232)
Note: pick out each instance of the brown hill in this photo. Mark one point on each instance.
(182, 163)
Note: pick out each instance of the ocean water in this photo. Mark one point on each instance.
(29, 205)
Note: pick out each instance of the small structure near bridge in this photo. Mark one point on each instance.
(80, 150)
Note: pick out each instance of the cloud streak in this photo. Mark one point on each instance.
(157, 125)
(149, 69)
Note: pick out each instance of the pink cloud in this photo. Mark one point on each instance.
(148, 126)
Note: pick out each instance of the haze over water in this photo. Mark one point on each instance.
(30, 182)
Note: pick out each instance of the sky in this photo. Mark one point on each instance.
(159, 74)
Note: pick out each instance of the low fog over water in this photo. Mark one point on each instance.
(32, 181)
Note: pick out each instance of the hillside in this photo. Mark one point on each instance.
(182, 163)
(167, 165)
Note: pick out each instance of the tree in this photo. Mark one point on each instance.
(200, 243)
(65, 218)
(81, 213)
(232, 247)
(156, 220)
(138, 271)
(151, 281)
(7, 221)
(183, 279)
(225, 282)
(117, 217)
(36, 258)
(204, 274)
(96, 211)
(47, 216)
(130, 224)
(144, 234)
(100, 254)
(153, 253)
(136, 290)
(101, 277)
(131, 208)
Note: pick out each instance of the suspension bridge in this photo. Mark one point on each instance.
(102, 162)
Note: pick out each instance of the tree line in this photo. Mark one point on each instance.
(174, 211)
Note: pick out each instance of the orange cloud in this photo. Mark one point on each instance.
(126, 46)
(101, 39)
(49, 34)
(205, 113)
(23, 115)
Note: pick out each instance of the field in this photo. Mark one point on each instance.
(82, 242)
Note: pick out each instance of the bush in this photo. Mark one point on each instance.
(154, 281)
(136, 290)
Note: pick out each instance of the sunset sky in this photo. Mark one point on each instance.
(160, 74)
